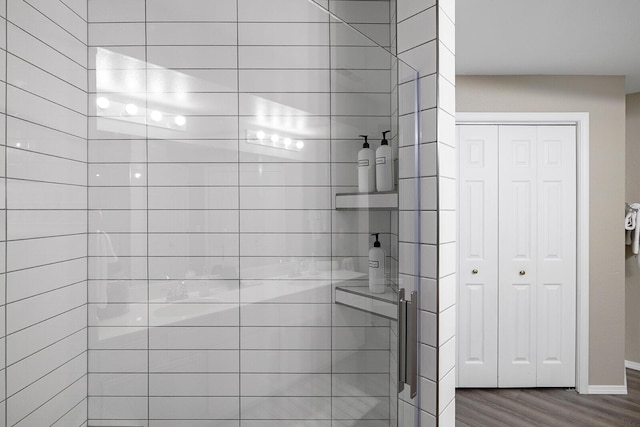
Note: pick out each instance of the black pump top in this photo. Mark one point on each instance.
(384, 138)
(376, 244)
(366, 143)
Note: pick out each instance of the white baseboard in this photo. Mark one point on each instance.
(607, 389)
(610, 389)
(632, 365)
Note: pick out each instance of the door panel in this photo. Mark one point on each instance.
(517, 252)
(478, 251)
(556, 256)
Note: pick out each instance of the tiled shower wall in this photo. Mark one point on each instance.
(426, 41)
(43, 62)
(212, 256)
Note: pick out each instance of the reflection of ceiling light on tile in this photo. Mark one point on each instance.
(300, 145)
(287, 142)
(131, 109)
(180, 120)
(260, 135)
(18, 144)
(103, 103)
(137, 175)
(275, 138)
(156, 115)
(98, 175)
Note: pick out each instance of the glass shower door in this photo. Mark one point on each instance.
(223, 143)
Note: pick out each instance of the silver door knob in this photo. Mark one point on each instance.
(474, 271)
(522, 272)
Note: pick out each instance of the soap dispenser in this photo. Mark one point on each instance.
(366, 168)
(384, 165)
(376, 268)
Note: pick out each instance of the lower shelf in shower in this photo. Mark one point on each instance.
(360, 298)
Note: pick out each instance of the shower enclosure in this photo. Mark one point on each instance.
(183, 241)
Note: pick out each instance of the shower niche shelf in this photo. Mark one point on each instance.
(367, 201)
(360, 298)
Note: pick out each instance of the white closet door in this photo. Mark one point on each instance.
(517, 332)
(556, 256)
(478, 252)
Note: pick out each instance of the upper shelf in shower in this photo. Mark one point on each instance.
(366, 201)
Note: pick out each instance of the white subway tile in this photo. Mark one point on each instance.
(193, 151)
(285, 80)
(127, 315)
(285, 384)
(117, 361)
(118, 221)
(273, 361)
(298, 315)
(116, 34)
(174, 408)
(25, 313)
(118, 338)
(25, 283)
(117, 408)
(116, 10)
(196, 221)
(117, 197)
(365, 362)
(407, 8)
(193, 198)
(177, 57)
(185, 338)
(192, 385)
(191, 10)
(361, 407)
(282, 34)
(41, 335)
(308, 408)
(367, 11)
(117, 384)
(359, 338)
(30, 49)
(291, 338)
(192, 33)
(195, 361)
(285, 198)
(30, 253)
(193, 314)
(24, 224)
(40, 26)
(187, 81)
(284, 104)
(33, 137)
(29, 107)
(41, 83)
(189, 267)
(285, 291)
(259, 11)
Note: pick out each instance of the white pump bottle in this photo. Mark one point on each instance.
(376, 268)
(366, 168)
(384, 165)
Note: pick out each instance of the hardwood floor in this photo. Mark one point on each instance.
(548, 407)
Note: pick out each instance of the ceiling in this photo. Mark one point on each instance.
(584, 37)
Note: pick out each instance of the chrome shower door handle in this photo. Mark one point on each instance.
(408, 342)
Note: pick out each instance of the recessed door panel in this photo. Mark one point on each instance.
(517, 250)
(556, 309)
(478, 272)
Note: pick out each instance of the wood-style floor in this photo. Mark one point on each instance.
(548, 407)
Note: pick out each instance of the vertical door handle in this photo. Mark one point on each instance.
(408, 342)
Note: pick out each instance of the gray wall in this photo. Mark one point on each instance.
(603, 97)
(632, 272)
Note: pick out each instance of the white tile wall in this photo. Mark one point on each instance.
(45, 164)
(424, 25)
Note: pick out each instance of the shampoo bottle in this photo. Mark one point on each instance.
(384, 165)
(366, 168)
(376, 268)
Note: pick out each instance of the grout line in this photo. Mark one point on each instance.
(148, 281)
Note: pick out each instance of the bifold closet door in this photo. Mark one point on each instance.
(537, 256)
(517, 256)
(478, 273)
